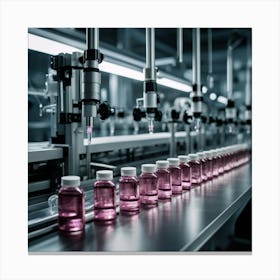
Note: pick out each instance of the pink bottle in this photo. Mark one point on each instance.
(148, 184)
(104, 194)
(71, 205)
(209, 165)
(129, 191)
(204, 166)
(185, 172)
(215, 163)
(175, 174)
(164, 181)
(195, 169)
(220, 161)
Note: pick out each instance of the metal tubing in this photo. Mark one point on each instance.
(248, 75)
(229, 73)
(150, 49)
(92, 38)
(180, 44)
(210, 60)
(194, 72)
(198, 62)
(172, 139)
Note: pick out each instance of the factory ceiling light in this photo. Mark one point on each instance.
(44, 45)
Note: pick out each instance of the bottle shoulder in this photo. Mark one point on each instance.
(104, 183)
(128, 179)
(70, 190)
(145, 175)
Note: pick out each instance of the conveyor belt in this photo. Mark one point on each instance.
(183, 224)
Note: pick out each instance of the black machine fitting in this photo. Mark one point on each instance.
(62, 65)
(196, 114)
(204, 119)
(158, 116)
(93, 54)
(150, 85)
(197, 98)
(104, 110)
(187, 119)
(175, 115)
(138, 114)
(230, 104)
(194, 87)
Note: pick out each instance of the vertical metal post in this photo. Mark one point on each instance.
(229, 73)
(172, 126)
(180, 44)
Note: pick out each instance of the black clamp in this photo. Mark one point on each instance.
(138, 114)
(93, 54)
(67, 118)
(150, 85)
(187, 119)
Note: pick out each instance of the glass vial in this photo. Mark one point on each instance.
(185, 172)
(215, 163)
(71, 205)
(164, 184)
(175, 174)
(129, 191)
(195, 169)
(104, 195)
(209, 172)
(148, 184)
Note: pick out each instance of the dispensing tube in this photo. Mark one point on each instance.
(180, 44)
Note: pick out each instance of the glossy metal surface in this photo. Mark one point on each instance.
(183, 224)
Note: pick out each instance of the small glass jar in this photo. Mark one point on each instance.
(209, 165)
(129, 191)
(215, 163)
(195, 169)
(71, 205)
(185, 172)
(204, 166)
(148, 184)
(104, 196)
(164, 181)
(175, 174)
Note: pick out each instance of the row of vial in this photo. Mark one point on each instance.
(157, 181)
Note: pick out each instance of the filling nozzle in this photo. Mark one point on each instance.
(89, 126)
(151, 125)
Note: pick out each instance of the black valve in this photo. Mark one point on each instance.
(104, 111)
(121, 114)
(175, 115)
(204, 119)
(158, 116)
(211, 120)
(138, 114)
(187, 119)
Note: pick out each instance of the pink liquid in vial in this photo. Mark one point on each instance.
(71, 211)
(104, 199)
(215, 164)
(185, 175)
(164, 184)
(195, 171)
(176, 183)
(148, 184)
(204, 169)
(129, 193)
(209, 168)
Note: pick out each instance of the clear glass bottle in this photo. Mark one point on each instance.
(164, 181)
(104, 195)
(148, 184)
(221, 161)
(129, 191)
(175, 174)
(195, 169)
(185, 172)
(71, 205)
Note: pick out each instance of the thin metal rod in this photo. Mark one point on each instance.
(180, 44)
(150, 48)
(92, 38)
(198, 61)
(229, 73)
(194, 78)
(210, 59)
(248, 74)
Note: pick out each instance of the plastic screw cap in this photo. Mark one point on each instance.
(162, 164)
(128, 171)
(183, 158)
(70, 181)
(149, 168)
(173, 161)
(104, 175)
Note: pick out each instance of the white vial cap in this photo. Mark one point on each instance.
(70, 181)
(193, 156)
(162, 164)
(149, 168)
(104, 175)
(173, 161)
(128, 171)
(183, 158)
(200, 155)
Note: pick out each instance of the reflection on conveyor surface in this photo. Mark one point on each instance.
(171, 226)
